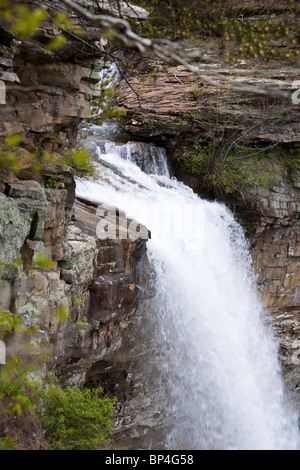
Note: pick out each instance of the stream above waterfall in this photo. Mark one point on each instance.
(206, 345)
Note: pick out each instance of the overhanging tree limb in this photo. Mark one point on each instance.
(166, 50)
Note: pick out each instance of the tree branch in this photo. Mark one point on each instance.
(166, 50)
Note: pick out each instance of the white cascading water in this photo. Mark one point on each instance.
(220, 359)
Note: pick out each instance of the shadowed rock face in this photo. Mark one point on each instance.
(50, 99)
(103, 295)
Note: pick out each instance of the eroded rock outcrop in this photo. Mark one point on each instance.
(177, 101)
(47, 97)
(100, 311)
(93, 279)
(47, 93)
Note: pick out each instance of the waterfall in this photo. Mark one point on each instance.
(217, 356)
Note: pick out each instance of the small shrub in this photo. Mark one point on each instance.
(43, 262)
(52, 182)
(241, 170)
(8, 444)
(76, 419)
(81, 162)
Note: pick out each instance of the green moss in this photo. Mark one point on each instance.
(8, 444)
(291, 159)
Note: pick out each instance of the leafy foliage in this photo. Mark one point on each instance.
(81, 162)
(76, 419)
(242, 34)
(29, 165)
(237, 171)
(15, 387)
(72, 418)
(24, 21)
(15, 158)
(103, 107)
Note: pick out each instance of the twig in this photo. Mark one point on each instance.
(178, 79)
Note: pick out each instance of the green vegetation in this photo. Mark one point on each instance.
(8, 444)
(82, 419)
(14, 384)
(271, 34)
(52, 182)
(291, 160)
(76, 419)
(103, 107)
(43, 262)
(71, 418)
(29, 165)
(24, 20)
(237, 170)
(81, 162)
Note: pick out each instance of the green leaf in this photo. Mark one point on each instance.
(56, 43)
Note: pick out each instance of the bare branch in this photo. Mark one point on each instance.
(121, 27)
(167, 51)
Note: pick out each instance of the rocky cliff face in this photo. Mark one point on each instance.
(93, 280)
(170, 100)
(47, 97)
(47, 94)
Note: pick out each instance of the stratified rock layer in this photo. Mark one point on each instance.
(92, 280)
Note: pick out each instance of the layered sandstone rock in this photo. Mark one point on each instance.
(92, 280)
(163, 101)
(100, 312)
(47, 93)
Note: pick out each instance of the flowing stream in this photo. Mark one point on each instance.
(218, 359)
